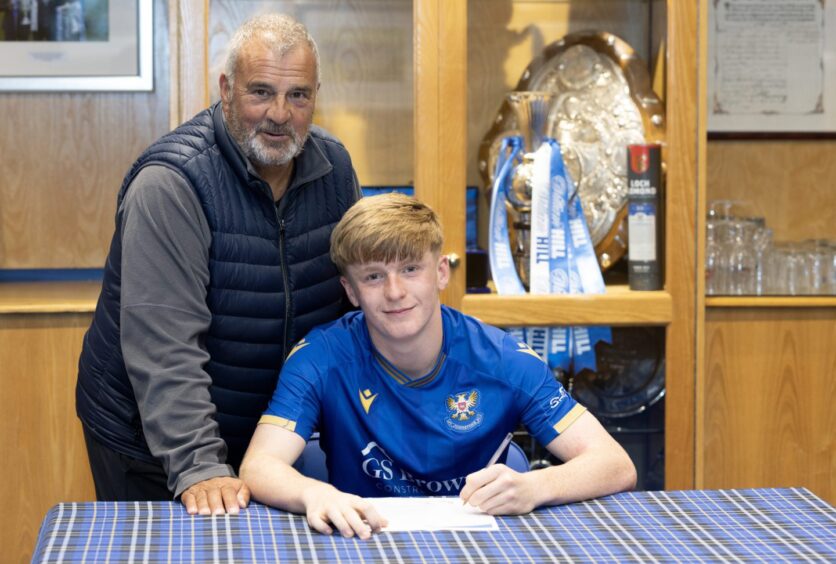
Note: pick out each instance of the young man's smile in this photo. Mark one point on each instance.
(400, 299)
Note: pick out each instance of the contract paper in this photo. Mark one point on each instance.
(432, 514)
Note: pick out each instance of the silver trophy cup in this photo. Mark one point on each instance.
(531, 110)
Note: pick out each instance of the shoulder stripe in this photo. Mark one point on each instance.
(300, 345)
(525, 349)
(278, 422)
(569, 418)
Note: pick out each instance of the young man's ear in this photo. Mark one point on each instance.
(443, 272)
(349, 291)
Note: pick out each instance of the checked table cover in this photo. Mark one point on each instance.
(656, 526)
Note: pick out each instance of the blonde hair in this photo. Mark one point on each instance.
(385, 228)
(280, 31)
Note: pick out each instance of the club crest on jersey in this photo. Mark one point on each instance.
(462, 413)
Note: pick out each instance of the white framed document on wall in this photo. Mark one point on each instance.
(772, 67)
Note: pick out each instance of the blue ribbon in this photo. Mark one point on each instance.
(505, 276)
(572, 265)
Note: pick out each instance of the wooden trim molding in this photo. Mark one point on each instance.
(440, 118)
(189, 44)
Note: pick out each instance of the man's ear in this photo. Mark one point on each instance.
(349, 291)
(223, 85)
(443, 272)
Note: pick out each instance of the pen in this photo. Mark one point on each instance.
(502, 446)
(495, 456)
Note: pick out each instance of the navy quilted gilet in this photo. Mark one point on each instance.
(271, 281)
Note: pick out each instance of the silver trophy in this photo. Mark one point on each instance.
(603, 102)
(532, 113)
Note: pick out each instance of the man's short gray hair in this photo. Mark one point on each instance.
(281, 31)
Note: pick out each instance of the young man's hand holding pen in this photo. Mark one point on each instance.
(497, 489)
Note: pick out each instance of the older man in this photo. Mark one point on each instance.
(219, 262)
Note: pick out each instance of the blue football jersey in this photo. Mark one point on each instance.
(385, 434)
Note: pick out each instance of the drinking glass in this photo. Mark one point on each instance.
(742, 258)
(713, 270)
(819, 258)
(763, 242)
(797, 270)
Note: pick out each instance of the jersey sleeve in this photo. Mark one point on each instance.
(547, 410)
(296, 402)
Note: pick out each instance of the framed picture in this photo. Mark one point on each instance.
(76, 45)
(772, 68)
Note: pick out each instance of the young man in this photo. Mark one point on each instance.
(412, 398)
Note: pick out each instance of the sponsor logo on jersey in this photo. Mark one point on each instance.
(366, 399)
(558, 399)
(390, 478)
(462, 414)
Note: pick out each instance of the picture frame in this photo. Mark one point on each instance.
(67, 45)
(771, 69)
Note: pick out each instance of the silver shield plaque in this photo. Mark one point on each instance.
(602, 102)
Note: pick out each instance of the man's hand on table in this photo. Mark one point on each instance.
(216, 496)
(327, 508)
(499, 490)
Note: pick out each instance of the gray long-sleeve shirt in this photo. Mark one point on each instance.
(165, 273)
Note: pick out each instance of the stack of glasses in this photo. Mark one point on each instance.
(741, 258)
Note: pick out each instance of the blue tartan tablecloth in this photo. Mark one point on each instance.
(703, 525)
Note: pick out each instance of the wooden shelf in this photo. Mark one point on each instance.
(770, 301)
(48, 297)
(618, 306)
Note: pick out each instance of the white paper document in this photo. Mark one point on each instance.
(432, 514)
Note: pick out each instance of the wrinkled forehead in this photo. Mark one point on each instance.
(262, 51)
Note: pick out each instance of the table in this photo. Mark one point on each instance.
(721, 525)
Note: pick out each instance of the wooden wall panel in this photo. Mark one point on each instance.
(770, 394)
(40, 436)
(790, 182)
(62, 159)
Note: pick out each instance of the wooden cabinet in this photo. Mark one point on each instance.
(766, 388)
(675, 307)
(767, 385)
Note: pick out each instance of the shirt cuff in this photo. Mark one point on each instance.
(201, 473)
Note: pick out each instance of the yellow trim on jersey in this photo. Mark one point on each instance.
(525, 349)
(278, 422)
(569, 418)
(300, 345)
(431, 376)
(391, 372)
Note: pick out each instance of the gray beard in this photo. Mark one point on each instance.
(260, 153)
(257, 151)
